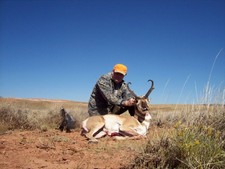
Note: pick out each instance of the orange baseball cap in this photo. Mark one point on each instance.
(120, 68)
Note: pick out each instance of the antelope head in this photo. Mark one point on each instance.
(142, 107)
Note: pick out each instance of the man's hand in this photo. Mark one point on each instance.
(129, 102)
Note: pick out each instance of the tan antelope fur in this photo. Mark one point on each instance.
(120, 126)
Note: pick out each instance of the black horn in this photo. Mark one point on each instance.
(150, 90)
(131, 90)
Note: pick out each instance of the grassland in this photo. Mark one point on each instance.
(181, 136)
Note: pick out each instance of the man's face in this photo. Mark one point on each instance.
(117, 77)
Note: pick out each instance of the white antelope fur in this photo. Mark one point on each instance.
(121, 127)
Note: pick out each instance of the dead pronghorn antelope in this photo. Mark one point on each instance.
(121, 127)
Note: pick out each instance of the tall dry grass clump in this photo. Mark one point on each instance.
(186, 139)
(196, 137)
(32, 114)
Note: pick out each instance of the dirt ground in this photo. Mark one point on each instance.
(53, 149)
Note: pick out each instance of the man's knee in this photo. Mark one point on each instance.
(119, 110)
(97, 112)
(116, 110)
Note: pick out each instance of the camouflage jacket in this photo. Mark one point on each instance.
(106, 94)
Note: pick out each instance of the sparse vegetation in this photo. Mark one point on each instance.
(36, 114)
(195, 140)
(187, 136)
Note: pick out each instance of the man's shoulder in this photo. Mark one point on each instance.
(105, 79)
(106, 76)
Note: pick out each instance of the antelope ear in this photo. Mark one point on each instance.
(138, 101)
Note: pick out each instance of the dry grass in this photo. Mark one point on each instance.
(191, 136)
(182, 136)
(37, 114)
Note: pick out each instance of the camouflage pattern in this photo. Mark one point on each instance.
(107, 94)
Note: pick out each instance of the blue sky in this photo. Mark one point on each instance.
(57, 49)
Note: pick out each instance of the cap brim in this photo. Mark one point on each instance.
(120, 72)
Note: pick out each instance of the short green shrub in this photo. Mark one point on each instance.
(160, 153)
(197, 146)
(201, 146)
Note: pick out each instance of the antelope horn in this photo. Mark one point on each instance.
(131, 90)
(150, 90)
